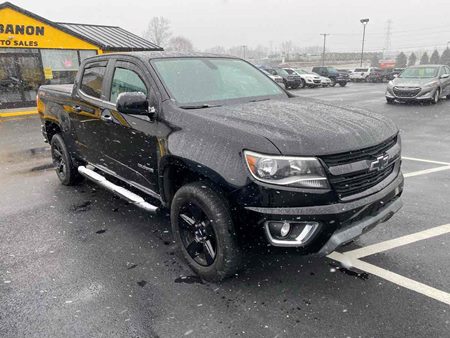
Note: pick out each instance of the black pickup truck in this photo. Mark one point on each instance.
(333, 74)
(226, 150)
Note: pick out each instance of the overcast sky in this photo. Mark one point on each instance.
(207, 23)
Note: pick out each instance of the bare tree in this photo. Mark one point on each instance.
(180, 44)
(158, 30)
(216, 50)
(286, 48)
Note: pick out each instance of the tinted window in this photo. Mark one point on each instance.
(92, 81)
(125, 80)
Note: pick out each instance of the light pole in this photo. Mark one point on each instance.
(323, 52)
(244, 48)
(364, 22)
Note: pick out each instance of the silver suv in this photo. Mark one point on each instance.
(420, 83)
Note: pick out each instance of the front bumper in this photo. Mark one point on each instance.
(354, 230)
(339, 222)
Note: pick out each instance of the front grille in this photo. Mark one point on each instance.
(316, 81)
(347, 185)
(406, 91)
(358, 155)
(356, 182)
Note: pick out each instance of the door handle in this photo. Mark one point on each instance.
(77, 109)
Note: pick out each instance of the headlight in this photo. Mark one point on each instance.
(390, 84)
(304, 172)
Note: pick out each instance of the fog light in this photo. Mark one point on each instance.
(290, 233)
(285, 229)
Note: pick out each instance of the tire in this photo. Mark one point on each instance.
(390, 101)
(448, 97)
(333, 82)
(286, 86)
(302, 84)
(342, 84)
(65, 168)
(204, 232)
(436, 96)
(295, 86)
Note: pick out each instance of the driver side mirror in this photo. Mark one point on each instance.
(444, 76)
(134, 103)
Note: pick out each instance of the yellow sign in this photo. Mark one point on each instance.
(18, 30)
(48, 73)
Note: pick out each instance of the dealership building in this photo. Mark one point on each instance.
(35, 51)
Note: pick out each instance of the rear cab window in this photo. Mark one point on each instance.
(92, 80)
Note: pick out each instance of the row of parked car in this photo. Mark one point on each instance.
(294, 78)
(374, 74)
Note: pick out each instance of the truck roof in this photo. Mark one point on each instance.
(163, 54)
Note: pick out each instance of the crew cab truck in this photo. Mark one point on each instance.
(226, 150)
(333, 74)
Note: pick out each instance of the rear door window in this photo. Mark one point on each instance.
(92, 81)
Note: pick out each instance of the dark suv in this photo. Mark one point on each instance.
(226, 151)
(291, 81)
(333, 74)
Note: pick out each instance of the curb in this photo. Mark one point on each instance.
(18, 113)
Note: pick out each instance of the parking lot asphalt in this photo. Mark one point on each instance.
(78, 262)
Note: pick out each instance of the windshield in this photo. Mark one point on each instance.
(420, 72)
(282, 72)
(206, 80)
(331, 70)
(301, 71)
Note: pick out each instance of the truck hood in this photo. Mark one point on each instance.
(305, 127)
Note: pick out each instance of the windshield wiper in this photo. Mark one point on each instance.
(201, 106)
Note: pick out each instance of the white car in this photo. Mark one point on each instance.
(276, 78)
(326, 82)
(361, 74)
(309, 79)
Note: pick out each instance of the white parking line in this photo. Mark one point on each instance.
(400, 241)
(395, 278)
(423, 160)
(426, 171)
(351, 259)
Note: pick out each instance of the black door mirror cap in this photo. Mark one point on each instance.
(132, 103)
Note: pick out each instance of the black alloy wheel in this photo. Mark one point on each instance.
(59, 162)
(64, 166)
(204, 232)
(197, 235)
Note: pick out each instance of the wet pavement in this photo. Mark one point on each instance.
(79, 262)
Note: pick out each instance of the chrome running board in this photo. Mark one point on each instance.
(120, 191)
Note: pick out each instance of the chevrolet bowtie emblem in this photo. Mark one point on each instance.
(380, 163)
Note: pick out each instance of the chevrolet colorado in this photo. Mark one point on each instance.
(226, 150)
